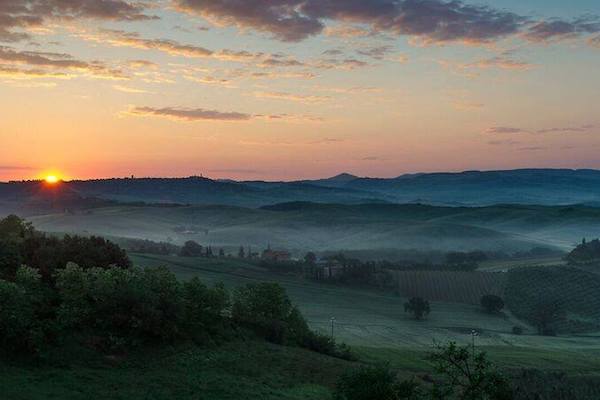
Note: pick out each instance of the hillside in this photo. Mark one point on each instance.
(300, 227)
(225, 372)
(471, 188)
(526, 186)
(575, 293)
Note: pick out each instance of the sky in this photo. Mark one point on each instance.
(296, 89)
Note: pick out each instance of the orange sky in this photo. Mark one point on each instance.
(191, 87)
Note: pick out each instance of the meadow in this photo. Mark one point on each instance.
(373, 319)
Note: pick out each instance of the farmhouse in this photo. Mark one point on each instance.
(275, 255)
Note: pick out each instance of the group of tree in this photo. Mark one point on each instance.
(194, 249)
(462, 374)
(418, 307)
(20, 244)
(87, 290)
(150, 247)
(492, 304)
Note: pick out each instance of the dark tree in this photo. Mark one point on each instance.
(10, 259)
(310, 258)
(418, 307)
(492, 304)
(221, 253)
(546, 315)
(242, 252)
(467, 375)
(191, 249)
(375, 383)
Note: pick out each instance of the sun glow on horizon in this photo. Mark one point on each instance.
(51, 179)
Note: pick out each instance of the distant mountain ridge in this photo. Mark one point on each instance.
(468, 188)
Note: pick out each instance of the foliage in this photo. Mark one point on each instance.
(517, 330)
(375, 383)
(191, 249)
(266, 308)
(21, 244)
(546, 314)
(467, 375)
(418, 307)
(492, 304)
(21, 328)
(129, 306)
(137, 305)
(150, 247)
(203, 308)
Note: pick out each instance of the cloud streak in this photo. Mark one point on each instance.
(189, 114)
(16, 16)
(433, 21)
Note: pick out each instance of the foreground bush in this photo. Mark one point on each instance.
(137, 305)
(22, 327)
(267, 310)
(375, 383)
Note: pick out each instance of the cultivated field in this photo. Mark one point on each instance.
(453, 287)
(376, 319)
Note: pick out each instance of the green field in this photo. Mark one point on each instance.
(237, 370)
(375, 319)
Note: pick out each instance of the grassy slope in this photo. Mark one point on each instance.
(238, 370)
(374, 319)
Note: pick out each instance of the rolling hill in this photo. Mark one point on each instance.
(470, 188)
(300, 226)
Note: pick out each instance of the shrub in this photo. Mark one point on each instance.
(20, 328)
(135, 305)
(375, 383)
(517, 330)
(418, 307)
(327, 345)
(266, 308)
(191, 249)
(203, 308)
(492, 304)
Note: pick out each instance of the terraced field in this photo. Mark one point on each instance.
(453, 287)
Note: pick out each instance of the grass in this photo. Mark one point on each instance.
(375, 319)
(238, 370)
(455, 287)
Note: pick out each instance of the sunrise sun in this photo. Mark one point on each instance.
(52, 179)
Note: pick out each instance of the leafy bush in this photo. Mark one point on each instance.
(418, 307)
(203, 308)
(375, 383)
(492, 304)
(266, 308)
(191, 249)
(467, 375)
(137, 305)
(517, 330)
(21, 330)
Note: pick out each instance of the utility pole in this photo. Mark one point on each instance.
(473, 334)
(332, 325)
